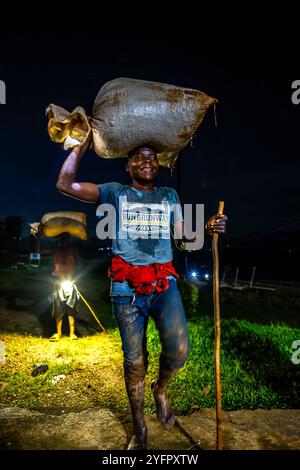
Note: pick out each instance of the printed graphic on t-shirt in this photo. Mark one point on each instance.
(145, 219)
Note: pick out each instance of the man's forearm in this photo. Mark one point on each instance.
(68, 173)
(67, 179)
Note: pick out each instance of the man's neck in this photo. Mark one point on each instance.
(143, 185)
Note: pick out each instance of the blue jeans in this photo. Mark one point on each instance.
(132, 314)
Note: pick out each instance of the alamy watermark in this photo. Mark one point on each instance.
(296, 94)
(296, 353)
(2, 352)
(2, 92)
(137, 220)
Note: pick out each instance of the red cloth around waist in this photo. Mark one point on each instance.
(142, 277)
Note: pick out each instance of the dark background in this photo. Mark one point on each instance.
(250, 160)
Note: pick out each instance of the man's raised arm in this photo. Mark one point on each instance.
(67, 179)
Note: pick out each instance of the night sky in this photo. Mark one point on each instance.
(250, 160)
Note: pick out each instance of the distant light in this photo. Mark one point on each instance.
(206, 276)
(193, 274)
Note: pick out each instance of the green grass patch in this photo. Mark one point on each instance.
(256, 367)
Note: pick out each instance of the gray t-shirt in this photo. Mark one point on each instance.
(143, 222)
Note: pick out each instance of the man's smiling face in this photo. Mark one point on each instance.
(143, 164)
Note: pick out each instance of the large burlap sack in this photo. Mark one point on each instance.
(128, 113)
(55, 223)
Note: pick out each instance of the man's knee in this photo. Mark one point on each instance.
(176, 358)
(135, 369)
(183, 352)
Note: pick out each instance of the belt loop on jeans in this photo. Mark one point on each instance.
(133, 299)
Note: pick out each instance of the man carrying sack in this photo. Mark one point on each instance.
(149, 123)
(143, 283)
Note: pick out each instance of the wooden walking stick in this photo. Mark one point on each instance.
(219, 444)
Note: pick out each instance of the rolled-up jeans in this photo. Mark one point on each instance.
(132, 314)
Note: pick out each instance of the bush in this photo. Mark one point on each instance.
(190, 297)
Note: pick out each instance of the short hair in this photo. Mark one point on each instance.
(133, 151)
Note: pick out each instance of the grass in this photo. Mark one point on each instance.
(256, 367)
(257, 371)
(92, 366)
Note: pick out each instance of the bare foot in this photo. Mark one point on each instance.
(55, 337)
(164, 410)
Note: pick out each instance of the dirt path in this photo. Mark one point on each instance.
(102, 429)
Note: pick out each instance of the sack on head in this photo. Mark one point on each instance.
(128, 113)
